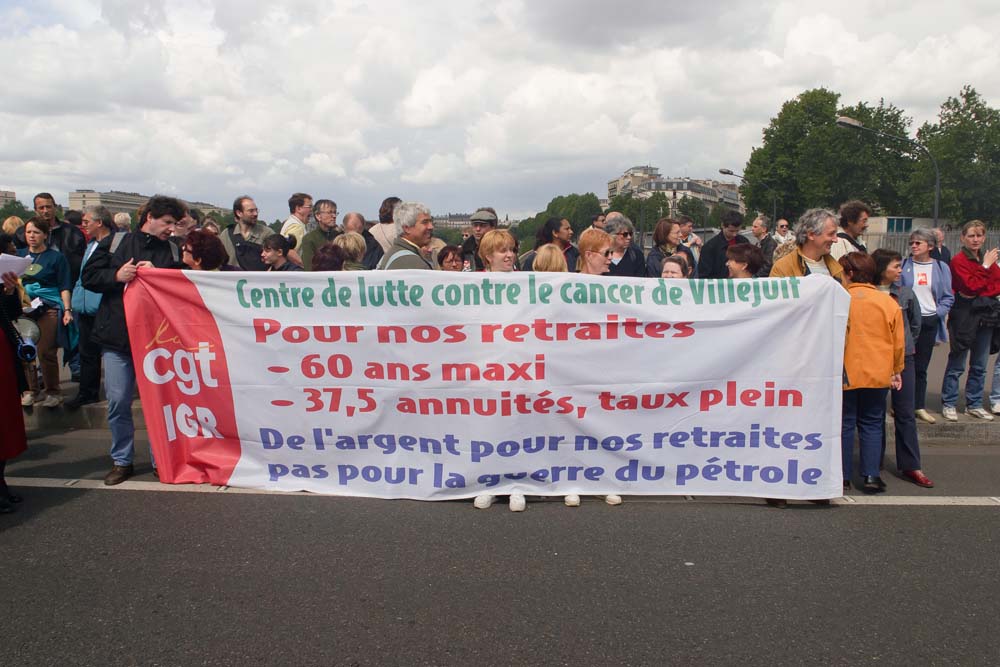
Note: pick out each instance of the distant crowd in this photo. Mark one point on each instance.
(72, 295)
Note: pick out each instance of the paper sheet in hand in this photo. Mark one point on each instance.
(13, 263)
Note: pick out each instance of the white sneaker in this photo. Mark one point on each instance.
(613, 499)
(27, 399)
(949, 413)
(517, 503)
(928, 418)
(979, 413)
(572, 500)
(483, 501)
(995, 408)
(52, 401)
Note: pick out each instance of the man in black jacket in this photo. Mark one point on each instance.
(114, 264)
(712, 263)
(63, 237)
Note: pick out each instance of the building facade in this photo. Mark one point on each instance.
(127, 202)
(644, 181)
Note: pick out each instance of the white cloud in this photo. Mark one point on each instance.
(509, 102)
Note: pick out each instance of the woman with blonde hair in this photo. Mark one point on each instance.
(353, 245)
(498, 250)
(550, 258)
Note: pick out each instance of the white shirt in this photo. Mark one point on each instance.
(923, 284)
(816, 268)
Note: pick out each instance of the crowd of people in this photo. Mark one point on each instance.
(900, 307)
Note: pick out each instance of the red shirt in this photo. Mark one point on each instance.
(968, 276)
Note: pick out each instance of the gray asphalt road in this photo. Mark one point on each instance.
(115, 577)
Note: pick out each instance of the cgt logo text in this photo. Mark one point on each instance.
(188, 371)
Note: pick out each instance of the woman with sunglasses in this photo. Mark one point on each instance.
(930, 280)
(595, 258)
(626, 259)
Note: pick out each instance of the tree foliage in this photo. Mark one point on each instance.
(578, 209)
(806, 160)
(15, 208)
(695, 209)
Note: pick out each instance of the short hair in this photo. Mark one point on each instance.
(42, 195)
(238, 204)
(812, 222)
(40, 225)
(328, 257)
(547, 232)
(746, 253)
(405, 214)
(123, 220)
(280, 243)
(618, 225)
(212, 226)
(763, 218)
(101, 214)
(73, 217)
(196, 215)
(353, 245)
(448, 251)
(590, 241)
(859, 266)
(323, 203)
(208, 248)
(972, 224)
(352, 216)
(493, 241)
(549, 257)
(599, 215)
(679, 260)
(11, 224)
(6, 241)
(732, 219)
(883, 257)
(661, 233)
(296, 200)
(159, 206)
(850, 211)
(685, 219)
(386, 209)
(926, 235)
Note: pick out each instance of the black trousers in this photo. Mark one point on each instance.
(907, 446)
(90, 359)
(925, 348)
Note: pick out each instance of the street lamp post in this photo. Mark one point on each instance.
(854, 124)
(774, 195)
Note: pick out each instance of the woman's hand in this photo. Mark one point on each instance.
(990, 258)
(67, 317)
(896, 382)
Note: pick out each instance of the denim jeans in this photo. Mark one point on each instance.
(925, 349)
(979, 355)
(119, 385)
(864, 411)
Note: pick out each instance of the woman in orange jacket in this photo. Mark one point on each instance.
(874, 355)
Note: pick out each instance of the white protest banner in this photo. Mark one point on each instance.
(434, 385)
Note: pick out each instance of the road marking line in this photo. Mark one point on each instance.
(134, 485)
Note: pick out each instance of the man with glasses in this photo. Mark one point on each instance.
(482, 221)
(598, 222)
(299, 208)
(782, 233)
(626, 258)
(325, 212)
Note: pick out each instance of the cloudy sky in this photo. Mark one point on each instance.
(457, 104)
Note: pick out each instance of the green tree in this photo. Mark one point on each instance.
(643, 212)
(695, 209)
(578, 209)
(15, 208)
(966, 143)
(806, 160)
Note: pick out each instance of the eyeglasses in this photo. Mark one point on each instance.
(627, 235)
(782, 226)
(606, 253)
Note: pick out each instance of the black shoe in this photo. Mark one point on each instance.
(78, 401)
(117, 475)
(873, 485)
(6, 507)
(847, 485)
